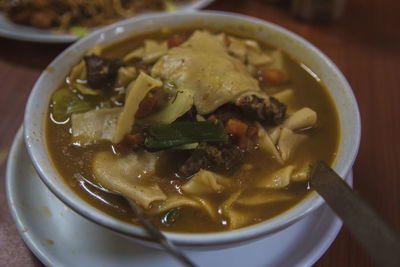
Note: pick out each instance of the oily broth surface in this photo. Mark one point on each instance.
(73, 161)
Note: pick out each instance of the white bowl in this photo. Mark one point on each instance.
(36, 112)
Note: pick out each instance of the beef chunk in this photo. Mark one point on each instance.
(101, 72)
(193, 164)
(268, 111)
(227, 112)
(223, 157)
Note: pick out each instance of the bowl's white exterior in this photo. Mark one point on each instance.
(36, 111)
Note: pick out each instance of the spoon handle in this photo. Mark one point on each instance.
(375, 236)
(156, 235)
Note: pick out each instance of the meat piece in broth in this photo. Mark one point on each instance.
(101, 72)
(266, 110)
(224, 157)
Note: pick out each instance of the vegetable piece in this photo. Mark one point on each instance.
(272, 76)
(251, 131)
(170, 216)
(236, 127)
(163, 136)
(135, 140)
(146, 107)
(137, 90)
(212, 117)
(65, 103)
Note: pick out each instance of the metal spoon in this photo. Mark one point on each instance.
(377, 238)
(150, 228)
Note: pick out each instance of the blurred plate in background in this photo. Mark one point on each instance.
(15, 31)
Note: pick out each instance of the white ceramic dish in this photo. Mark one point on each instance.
(36, 110)
(60, 237)
(15, 31)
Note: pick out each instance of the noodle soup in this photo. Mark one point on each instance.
(206, 130)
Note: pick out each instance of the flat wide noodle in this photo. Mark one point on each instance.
(203, 182)
(137, 90)
(266, 143)
(288, 141)
(285, 96)
(278, 179)
(202, 64)
(182, 103)
(301, 119)
(303, 173)
(149, 53)
(264, 197)
(238, 218)
(94, 126)
(125, 76)
(176, 201)
(126, 174)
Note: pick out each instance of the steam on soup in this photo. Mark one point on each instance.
(205, 130)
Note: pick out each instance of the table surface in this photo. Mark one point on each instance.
(364, 43)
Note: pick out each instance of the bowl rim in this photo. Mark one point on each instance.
(196, 240)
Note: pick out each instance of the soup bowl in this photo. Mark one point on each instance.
(322, 68)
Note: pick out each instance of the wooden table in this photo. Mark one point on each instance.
(364, 43)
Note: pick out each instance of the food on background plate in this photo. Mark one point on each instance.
(77, 16)
(205, 130)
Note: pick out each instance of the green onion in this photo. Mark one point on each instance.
(164, 136)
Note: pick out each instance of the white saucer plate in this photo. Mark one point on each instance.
(60, 237)
(15, 31)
